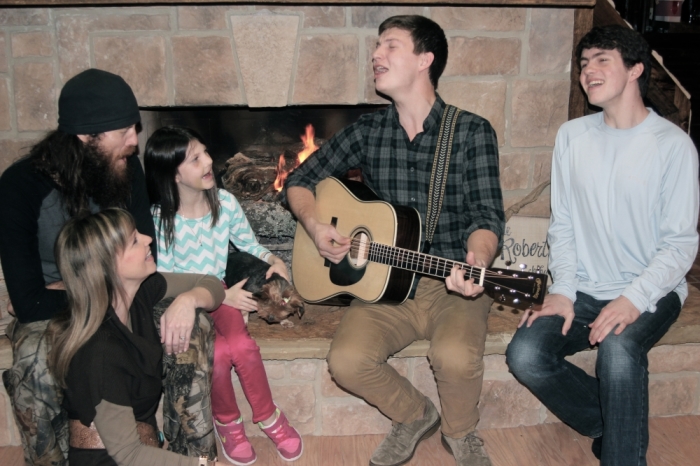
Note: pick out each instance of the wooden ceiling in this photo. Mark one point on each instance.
(532, 3)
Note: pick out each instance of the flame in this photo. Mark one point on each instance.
(281, 174)
(309, 148)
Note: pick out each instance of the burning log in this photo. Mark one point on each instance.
(254, 175)
(248, 180)
(284, 167)
(288, 161)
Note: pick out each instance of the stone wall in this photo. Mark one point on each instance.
(315, 405)
(510, 65)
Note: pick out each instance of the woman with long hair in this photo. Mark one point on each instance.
(106, 352)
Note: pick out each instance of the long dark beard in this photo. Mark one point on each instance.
(107, 185)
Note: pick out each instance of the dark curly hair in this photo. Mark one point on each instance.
(79, 171)
(631, 45)
(427, 36)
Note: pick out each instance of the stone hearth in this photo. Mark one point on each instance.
(301, 383)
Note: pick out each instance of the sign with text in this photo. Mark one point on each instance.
(525, 242)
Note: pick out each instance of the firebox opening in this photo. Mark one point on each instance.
(262, 134)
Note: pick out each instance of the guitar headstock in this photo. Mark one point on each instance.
(516, 286)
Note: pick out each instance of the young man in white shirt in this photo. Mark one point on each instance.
(622, 236)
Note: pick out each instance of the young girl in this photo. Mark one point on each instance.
(194, 223)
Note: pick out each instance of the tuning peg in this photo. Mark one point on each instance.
(502, 298)
(516, 301)
(523, 267)
(508, 264)
(497, 288)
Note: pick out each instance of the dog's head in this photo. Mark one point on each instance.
(278, 300)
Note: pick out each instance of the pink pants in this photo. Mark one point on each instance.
(235, 347)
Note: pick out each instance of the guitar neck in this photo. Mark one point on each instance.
(419, 262)
(508, 285)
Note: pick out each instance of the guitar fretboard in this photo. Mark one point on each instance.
(418, 262)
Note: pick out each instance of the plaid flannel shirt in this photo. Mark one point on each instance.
(399, 171)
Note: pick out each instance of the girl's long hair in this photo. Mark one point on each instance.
(165, 151)
(86, 252)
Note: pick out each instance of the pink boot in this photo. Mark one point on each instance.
(237, 448)
(286, 438)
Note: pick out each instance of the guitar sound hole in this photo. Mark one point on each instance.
(359, 252)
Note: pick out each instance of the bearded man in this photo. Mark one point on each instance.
(85, 165)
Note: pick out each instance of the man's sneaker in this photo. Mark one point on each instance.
(400, 444)
(468, 450)
(286, 438)
(237, 448)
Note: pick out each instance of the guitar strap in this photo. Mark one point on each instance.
(441, 165)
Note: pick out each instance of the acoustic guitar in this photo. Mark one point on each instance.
(383, 259)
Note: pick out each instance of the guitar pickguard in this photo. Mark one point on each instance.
(345, 274)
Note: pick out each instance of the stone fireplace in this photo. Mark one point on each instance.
(511, 64)
(508, 64)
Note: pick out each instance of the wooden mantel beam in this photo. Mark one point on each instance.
(532, 3)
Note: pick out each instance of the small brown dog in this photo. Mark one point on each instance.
(277, 299)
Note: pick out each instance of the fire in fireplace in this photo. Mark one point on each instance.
(283, 169)
(260, 134)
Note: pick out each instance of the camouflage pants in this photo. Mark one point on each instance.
(36, 399)
(188, 424)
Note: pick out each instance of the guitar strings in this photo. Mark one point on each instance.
(429, 263)
(415, 259)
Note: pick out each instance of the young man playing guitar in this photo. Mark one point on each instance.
(623, 234)
(395, 149)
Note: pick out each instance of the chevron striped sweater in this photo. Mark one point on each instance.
(199, 248)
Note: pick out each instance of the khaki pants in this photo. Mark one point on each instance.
(456, 328)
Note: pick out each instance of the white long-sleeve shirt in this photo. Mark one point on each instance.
(624, 210)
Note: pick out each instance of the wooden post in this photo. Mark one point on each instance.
(583, 22)
(663, 94)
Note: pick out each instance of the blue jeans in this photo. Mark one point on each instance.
(615, 404)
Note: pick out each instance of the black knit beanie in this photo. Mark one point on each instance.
(96, 101)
